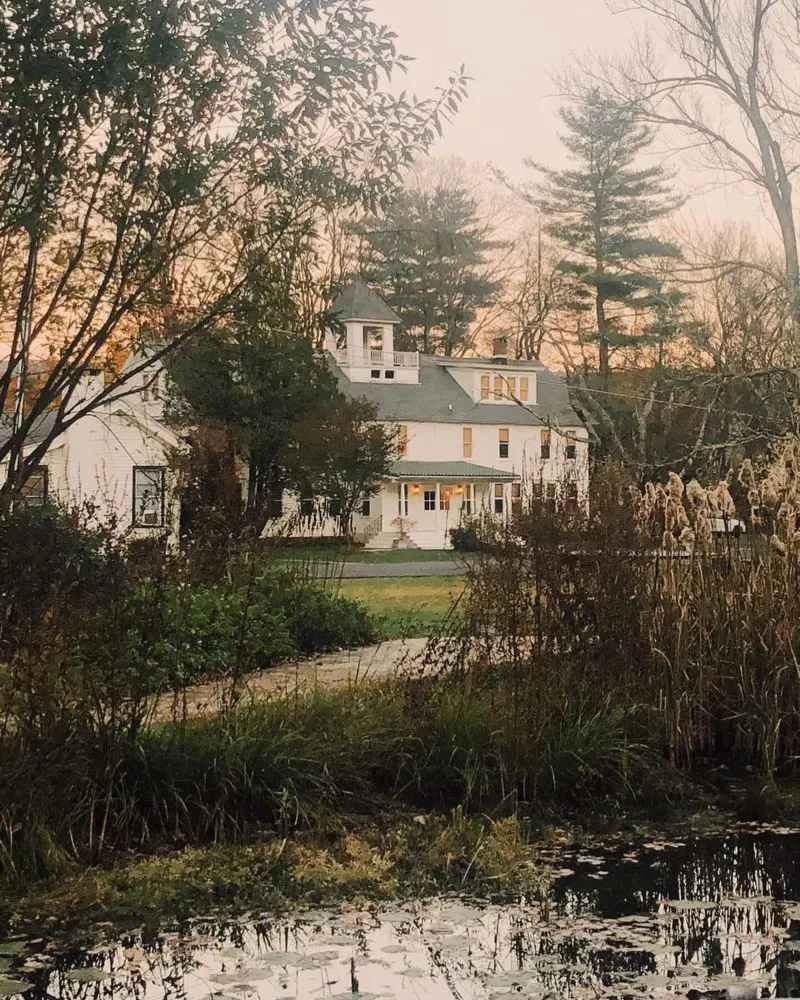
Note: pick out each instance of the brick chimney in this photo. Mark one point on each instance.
(500, 349)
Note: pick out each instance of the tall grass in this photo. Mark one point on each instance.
(597, 655)
(636, 604)
(284, 764)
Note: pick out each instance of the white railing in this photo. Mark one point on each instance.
(376, 358)
(370, 530)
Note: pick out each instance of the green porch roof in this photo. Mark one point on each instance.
(452, 472)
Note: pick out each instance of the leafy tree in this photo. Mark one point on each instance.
(601, 209)
(262, 387)
(349, 452)
(138, 139)
(428, 256)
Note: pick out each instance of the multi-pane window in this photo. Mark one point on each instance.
(402, 439)
(402, 499)
(467, 440)
(429, 500)
(366, 506)
(444, 499)
(512, 387)
(148, 496)
(498, 387)
(468, 503)
(571, 447)
(503, 442)
(484, 386)
(34, 491)
(523, 390)
(498, 498)
(545, 442)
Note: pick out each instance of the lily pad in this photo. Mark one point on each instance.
(87, 975)
(12, 987)
(281, 958)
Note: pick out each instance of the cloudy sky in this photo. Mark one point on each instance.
(512, 48)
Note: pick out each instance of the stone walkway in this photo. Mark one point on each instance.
(329, 670)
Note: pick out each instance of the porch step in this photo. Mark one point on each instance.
(385, 540)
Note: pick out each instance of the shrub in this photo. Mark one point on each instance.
(465, 538)
(317, 619)
(208, 632)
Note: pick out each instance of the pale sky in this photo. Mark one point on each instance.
(512, 48)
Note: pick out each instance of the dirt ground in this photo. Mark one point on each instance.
(329, 670)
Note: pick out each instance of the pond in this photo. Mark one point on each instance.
(717, 916)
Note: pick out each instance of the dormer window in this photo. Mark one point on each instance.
(484, 386)
(523, 390)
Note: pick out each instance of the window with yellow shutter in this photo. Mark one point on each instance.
(545, 442)
(402, 440)
(498, 498)
(503, 442)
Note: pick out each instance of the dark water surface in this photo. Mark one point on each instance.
(718, 917)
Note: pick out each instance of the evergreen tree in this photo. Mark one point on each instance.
(601, 210)
(429, 258)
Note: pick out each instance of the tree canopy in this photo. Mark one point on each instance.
(600, 211)
(139, 140)
(428, 255)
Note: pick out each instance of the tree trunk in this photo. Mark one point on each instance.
(602, 337)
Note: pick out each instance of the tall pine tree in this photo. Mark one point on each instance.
(429, 257)
(601, 210)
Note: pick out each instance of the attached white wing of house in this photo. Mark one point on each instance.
(117, 460)
(474, 433)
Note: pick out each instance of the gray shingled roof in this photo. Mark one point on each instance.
(41, 428)
(358, 301)
(439, 398)
(450, 471)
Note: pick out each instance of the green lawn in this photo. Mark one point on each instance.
(324, 554)
(406, 606)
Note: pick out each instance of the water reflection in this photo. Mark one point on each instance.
(662, 920)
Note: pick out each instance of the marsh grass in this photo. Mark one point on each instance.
(633, 610)
(289, 764)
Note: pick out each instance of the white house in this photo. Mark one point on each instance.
(474, 433)
(115, 459)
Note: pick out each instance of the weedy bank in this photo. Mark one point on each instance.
(608, 659)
